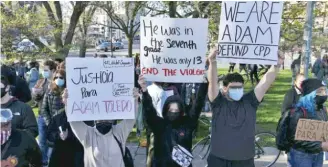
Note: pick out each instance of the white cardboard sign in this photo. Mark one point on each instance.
(173, 49)
(100, 89)
(249, 32)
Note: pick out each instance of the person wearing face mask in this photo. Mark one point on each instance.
(293, 95)
(33, 74)
(51, 106)
(100, 143)
(234, 116)
(310, 106)
(23, 116)
(18, 86)
(18, 148)
(41, 87)
(175, 129)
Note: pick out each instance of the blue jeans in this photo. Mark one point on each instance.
(45, 150)
(302, 159)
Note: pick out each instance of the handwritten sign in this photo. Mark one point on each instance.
(100, 89)
(311, 130)
(249, 32)
(173, 50)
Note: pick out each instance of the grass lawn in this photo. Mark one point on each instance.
(268, 113)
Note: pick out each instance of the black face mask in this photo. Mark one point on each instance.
(3, 92)
(172, 116)
(104, 127)
(319, 100)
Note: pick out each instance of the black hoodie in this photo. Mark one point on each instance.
(23, 116)
(21, 150)
(167, 133)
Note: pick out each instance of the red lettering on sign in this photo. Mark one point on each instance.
(153, 71)
(169, 72)
(192, 72)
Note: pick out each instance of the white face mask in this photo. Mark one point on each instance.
(236, 93)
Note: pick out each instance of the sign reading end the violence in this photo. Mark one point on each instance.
(173, 50)
(249, 32)
(311, 130)
(100, 89)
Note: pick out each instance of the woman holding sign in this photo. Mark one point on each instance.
(173, 132)
(305, 151)
(102, 142)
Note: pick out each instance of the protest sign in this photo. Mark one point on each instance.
(169, 93)
(173, 49)
(311, 130)
(100, 89)
(249, 32)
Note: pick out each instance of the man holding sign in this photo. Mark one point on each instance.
(234, 116)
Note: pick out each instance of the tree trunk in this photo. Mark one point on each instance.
(83, 48)
(172, 9)
(130, 44)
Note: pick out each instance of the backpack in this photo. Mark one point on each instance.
(127, 157)
(282, 138)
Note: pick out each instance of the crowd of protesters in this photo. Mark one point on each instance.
(169, 120)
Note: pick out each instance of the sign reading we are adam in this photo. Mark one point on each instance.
(249, 32)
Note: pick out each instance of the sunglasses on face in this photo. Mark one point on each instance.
(58, 77)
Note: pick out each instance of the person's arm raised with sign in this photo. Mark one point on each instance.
(78, 127)
(212, 75)
(263, 86)
(153, 120)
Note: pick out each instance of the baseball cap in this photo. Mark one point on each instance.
(6, 115)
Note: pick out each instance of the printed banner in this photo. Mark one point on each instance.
(311, 130)
(173, 50)
(249, 32)
(100, 89)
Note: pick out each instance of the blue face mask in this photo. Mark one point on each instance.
(46, 74)
(60, 82)
(236, 93)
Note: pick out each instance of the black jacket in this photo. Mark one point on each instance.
(290, 100)
(167, 133)
(21, 150)
(23, 116)
(21, 90)
(64, 152)
(52, 104)
(305, 146)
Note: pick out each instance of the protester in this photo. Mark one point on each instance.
(243, 67)
(234, 116)
(61, 66)
(18, 86)
(323, 71)
(310, 106)
(23, 116)
(52, 104)
(293, 94)
(100, 146)
(317, 64)
(67, 150)
(296, 67)
(158, 96)
(32, 74)
(175, 128)
(231, 67)
(18, 148)
(58, 61)
(41, 87)
(21, 69)
(253, 73)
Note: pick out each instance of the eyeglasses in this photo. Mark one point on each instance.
(59, 77)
